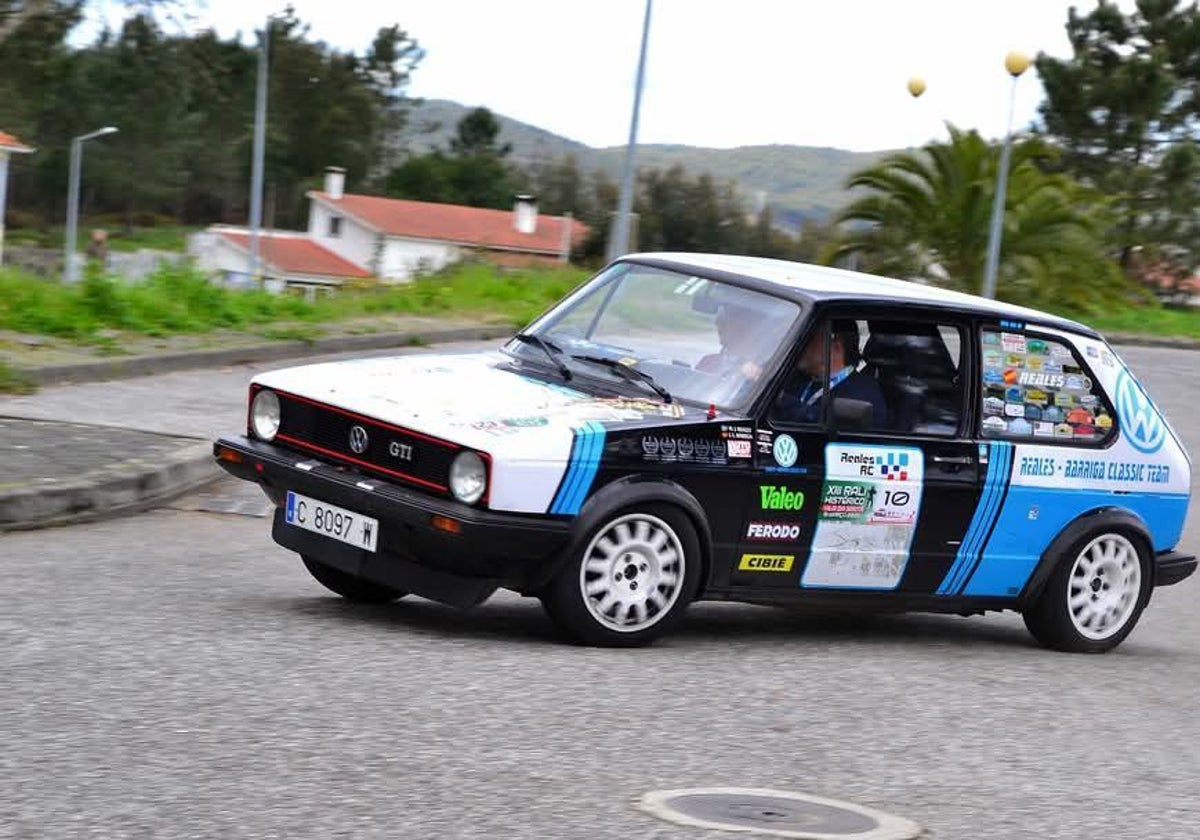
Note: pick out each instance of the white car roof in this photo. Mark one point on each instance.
(826, 283)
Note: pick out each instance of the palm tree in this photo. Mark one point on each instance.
(925, 217)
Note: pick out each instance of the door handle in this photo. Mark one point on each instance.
(960, 460)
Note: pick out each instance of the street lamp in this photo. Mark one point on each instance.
(618, 242)
(260, 135)
(73, 198)
(1015, 63)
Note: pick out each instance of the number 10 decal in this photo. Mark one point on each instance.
(867, 516)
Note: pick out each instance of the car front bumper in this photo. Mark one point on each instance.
(1172, 567)
(488, 550)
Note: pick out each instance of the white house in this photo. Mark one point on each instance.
(353, 235)
(286, 258)
(8, 145)
(397, 238)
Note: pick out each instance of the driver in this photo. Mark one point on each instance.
(738, 332)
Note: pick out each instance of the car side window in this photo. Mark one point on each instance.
(1038, 387)
(906, 371)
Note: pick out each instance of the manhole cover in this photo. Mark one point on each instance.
(776, 812)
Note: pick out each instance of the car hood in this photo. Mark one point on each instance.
(476, 400)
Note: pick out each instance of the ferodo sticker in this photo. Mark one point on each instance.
(866, 517)
(766, 563)
(773, 531)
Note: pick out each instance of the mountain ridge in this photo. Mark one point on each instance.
(797, 182)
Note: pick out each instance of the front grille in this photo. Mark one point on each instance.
(391, 452)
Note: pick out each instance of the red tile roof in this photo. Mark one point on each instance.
(7, 141)
(455, 223)
(298, 255)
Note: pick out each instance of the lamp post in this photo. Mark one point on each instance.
(69, 271)
(1015, 63)
(260, 135)
(618, 242)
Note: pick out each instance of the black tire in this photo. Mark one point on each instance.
(1052, 619)
(350, 587)
(667, 585)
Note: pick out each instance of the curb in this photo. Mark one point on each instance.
(133, 366)
(114, 490)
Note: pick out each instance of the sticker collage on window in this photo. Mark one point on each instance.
(1036, 388)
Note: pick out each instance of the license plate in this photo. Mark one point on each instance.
(332, 521)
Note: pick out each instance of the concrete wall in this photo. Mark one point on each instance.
(405, 259)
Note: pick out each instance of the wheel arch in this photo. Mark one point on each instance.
(1108, 518)
(627, 492)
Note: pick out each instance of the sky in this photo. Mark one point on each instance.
(719, 74)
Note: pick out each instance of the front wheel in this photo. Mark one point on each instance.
(350, 587)
(633, 580)
(1095, 596)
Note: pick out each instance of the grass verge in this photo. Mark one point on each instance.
(12, 381)
(1148, 320)
(179, 300)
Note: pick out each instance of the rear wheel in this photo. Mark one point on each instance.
(350, 587)
(1094, 597)
(633, 580)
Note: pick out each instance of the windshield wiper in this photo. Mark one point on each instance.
(549, 348)
(628, 371)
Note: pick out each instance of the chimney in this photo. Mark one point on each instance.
(525, 214)
(335, 181)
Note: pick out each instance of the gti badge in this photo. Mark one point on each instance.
(358, 440)
(402, 451)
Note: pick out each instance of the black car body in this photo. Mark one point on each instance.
(696, 426)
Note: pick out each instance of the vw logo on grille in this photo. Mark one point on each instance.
(358, 440)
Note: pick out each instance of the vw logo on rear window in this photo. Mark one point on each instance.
(358, 439)
(1142, 426)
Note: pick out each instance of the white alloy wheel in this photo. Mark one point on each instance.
(632, 572)
(1104, 586)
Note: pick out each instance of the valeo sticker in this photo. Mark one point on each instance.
(780, 498)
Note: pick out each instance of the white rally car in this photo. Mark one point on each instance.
(697, 426)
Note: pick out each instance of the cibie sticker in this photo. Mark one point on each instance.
(785, 450)
(867, 515)
(766, 562)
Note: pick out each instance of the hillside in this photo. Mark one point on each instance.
(797, 181)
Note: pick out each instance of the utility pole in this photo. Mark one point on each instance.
(260, 139)
(618, 241)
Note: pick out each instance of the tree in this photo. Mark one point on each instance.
(474, 173)
(926, 216)
(185, 108)
(476, 135)
(1128, 94)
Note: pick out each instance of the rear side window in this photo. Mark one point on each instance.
(1037, 387)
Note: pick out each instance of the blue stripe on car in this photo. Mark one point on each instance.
(581, 470)
(999, 459)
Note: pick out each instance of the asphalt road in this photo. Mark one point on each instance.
(176, 674)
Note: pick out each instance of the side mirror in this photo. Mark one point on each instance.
(852, 415)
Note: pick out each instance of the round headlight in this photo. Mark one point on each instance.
(264, 415)
(468, 477)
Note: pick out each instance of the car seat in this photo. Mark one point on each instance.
(910, 365)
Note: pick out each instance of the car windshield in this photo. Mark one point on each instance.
(700, 340)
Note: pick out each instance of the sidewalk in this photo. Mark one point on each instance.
(136, 432)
